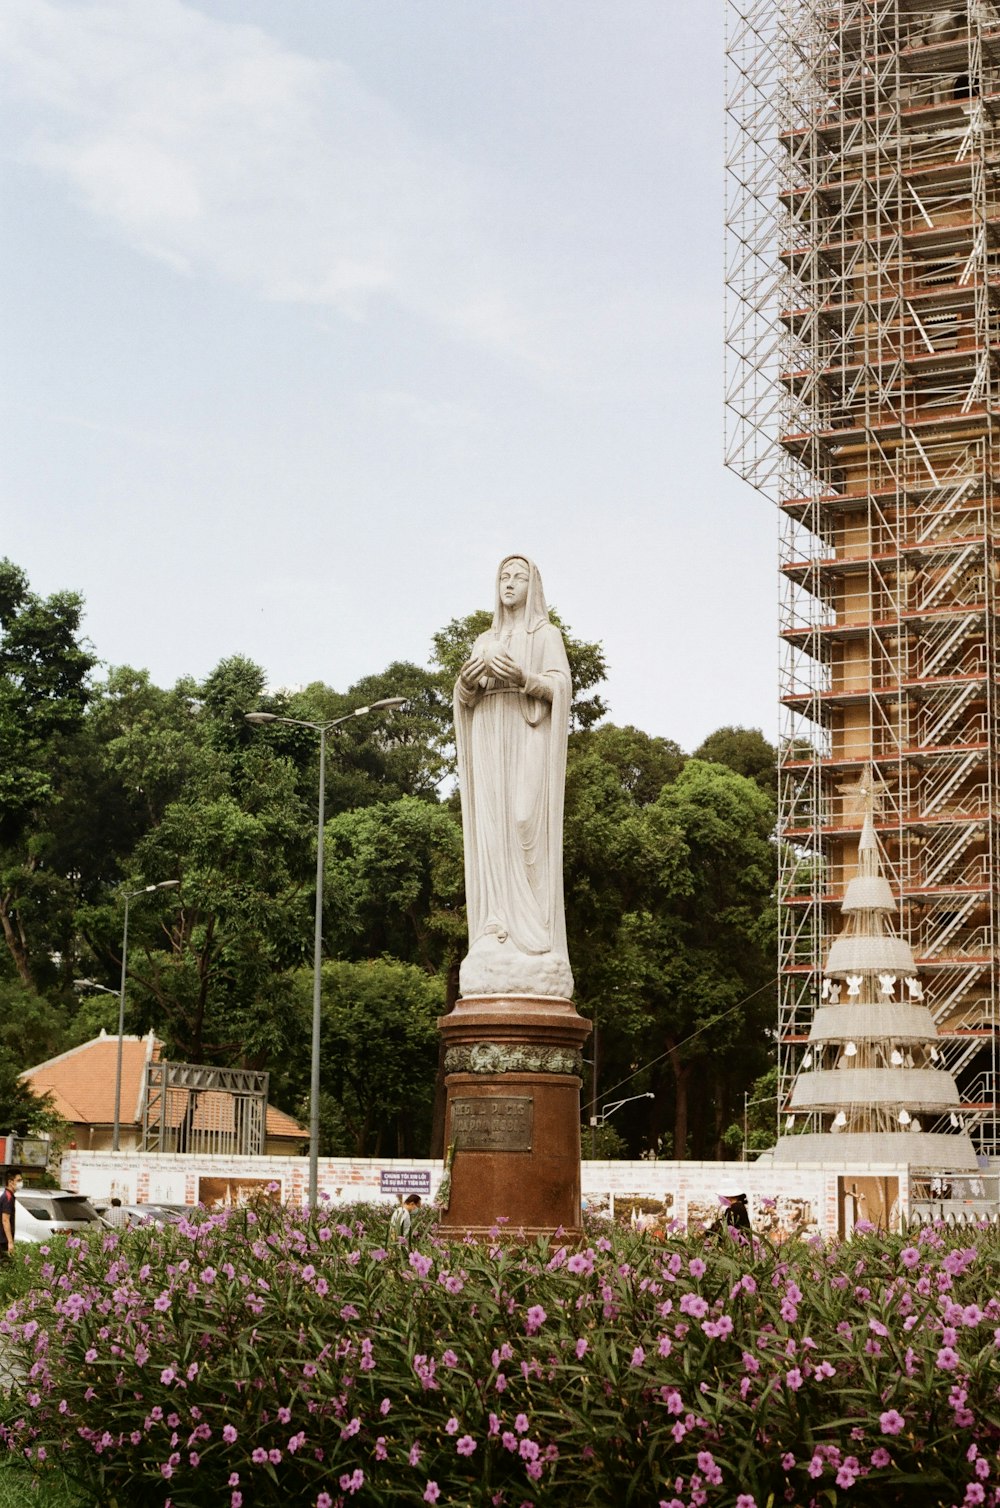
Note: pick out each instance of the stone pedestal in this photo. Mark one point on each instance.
(513, 1078)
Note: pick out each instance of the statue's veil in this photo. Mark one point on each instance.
(535, 610)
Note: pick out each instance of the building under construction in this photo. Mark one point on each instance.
(863, 219)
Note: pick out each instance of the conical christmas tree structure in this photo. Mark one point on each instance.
(871, 1083)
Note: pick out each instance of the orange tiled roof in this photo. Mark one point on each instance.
(82, 1080)
(82, 1085)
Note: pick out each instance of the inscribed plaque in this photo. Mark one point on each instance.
(502, 1124)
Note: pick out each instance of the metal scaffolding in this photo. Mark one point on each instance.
(863, 312)
(188, 1107)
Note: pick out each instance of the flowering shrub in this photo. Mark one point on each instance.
(267, 1356)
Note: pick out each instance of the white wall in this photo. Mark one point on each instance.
(802, 1198)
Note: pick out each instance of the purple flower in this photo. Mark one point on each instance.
(465, 1446)
(891, 1422)
(718, 1329)
(228, 1433)
(431, 1492)
(535, 1319)
(420, 1264)
(451, 1428)
(581, 1348)
(880, 1457)
(746, 1501)
(638, 1357)
(947, 1359)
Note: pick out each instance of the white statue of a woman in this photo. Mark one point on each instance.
(512, 701)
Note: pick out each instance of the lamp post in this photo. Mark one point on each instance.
(146, 890)
(593, 1090)
(322, 729)
(608, 1110)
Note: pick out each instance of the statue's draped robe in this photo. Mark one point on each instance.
(512, 770)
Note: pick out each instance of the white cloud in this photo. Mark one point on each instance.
(219, 151)
(210, 145)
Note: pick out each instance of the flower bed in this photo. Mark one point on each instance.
(263, 1356)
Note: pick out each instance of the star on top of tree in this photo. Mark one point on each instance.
(864, 796)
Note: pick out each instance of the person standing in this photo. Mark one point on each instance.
(8, 1211)
(402, 1218)
(735, 1217)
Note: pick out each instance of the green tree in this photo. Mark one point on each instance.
(669, 907)
(395, 885)
(209, 963)
(746, 751)
(378, 758)
(713, 999)
(32, 1030)
(378, 1055)
(44, 669)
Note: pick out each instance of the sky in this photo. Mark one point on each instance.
(312, 310)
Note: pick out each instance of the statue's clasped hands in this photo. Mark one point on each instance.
(499, 665)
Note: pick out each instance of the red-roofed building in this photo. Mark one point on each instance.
(81, 1083)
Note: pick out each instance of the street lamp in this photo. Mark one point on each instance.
(145, 890)
(608, 1110)
(322, 729)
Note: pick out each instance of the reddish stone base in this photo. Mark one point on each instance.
(536, 1188)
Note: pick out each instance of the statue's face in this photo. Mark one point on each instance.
(514, 583)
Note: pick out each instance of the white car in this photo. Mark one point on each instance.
(42, 1213)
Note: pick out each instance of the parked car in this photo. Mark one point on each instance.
(145, 1214)
(42, 1213)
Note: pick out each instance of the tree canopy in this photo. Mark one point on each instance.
(109, 783)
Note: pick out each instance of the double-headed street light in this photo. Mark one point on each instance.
(322, 729)
(146, 890)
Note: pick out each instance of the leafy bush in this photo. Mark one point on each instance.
(267, 1356)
